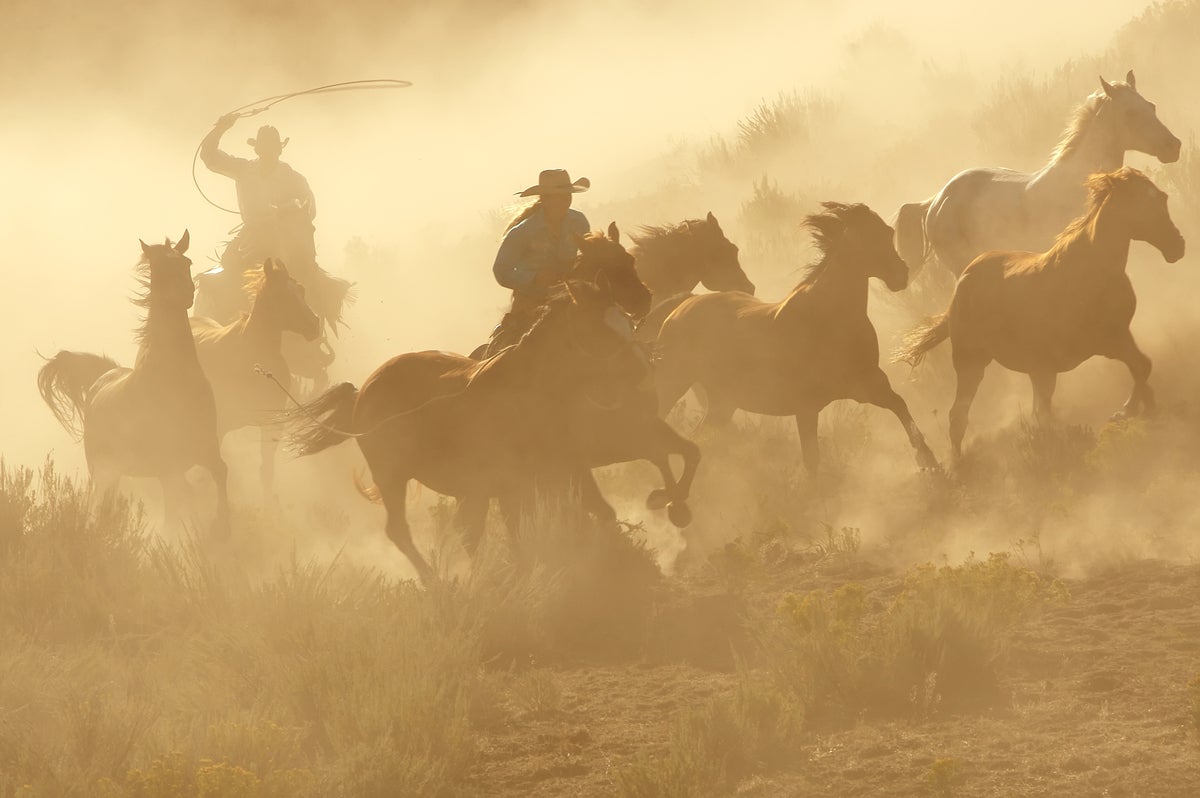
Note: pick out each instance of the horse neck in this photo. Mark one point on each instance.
(260, 328)
(1103, 244)
(167, 343)
(1096, 151)
(837, 287)
(668, 267)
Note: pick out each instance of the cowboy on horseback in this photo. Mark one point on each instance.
(275, 201)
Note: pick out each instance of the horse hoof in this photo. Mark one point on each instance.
(658, 499)
(679, 514)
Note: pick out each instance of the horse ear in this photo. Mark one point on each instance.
(712, 220)
(1131, 80)
(184, 240)
(145, 247)
(1108, 87)
(613, 233)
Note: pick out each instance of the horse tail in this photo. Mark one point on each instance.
(323, 422)
(919, 340)
(64, 382)
(911, 242)
(650, 326)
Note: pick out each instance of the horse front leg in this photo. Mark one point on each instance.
(806, 426)
(969, 373)
(1043, 383)
(881, 394)
(1142, 397)
(674, 494)
(593, 500)
(220, 475)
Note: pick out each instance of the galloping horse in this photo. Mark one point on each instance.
(221, 297)
(673, 259)
(597, 254)
(993, 209)
(796, 356)
(494, 429)
(231, 354)
(157, 419)
(1043, 314)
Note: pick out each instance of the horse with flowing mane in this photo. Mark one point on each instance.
(157, 419)
(232, 355)
(598, 253)
(792, 358)
(673, 259)
(221, 298)
(525, 419)
(1042, 314)
(1002, 209)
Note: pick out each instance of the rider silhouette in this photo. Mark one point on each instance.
(267, 189)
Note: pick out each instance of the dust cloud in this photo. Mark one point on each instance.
(104, 105)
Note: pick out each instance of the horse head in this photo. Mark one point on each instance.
(1143, 205)
(1135, 121)
(603, 254)
(282, 300)
(857, 235)
(720, 269)
(170, 271)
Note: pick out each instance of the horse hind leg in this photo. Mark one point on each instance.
(806, 426)
(393, 493)
(470, 518)
(969, 374)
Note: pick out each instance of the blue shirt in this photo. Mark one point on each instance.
(531, 247)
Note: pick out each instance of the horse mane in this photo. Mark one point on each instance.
(826, 229)
(1077, 127)
(651, 239)
(1099, 187)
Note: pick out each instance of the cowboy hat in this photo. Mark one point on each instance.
(268, 136)
(556, 181)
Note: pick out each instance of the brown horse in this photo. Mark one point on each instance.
(157, 419)
(1043, 314)
(673, 259)
(232, 354)
(796, 356)
(597, 253)
(494, 429)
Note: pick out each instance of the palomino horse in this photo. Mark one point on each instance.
(1043, 314)
(672, 260)
(492, 429)
(290, 240)
(157, 419)
(794, 357)
(992, 208)
(597, 253)
(232, 355)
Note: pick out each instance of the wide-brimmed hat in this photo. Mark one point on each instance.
(556, 181)
(267, 136)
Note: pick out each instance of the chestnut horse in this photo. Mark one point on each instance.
(1042, 314)
(673, 259)
(157, 419)
(233, 354)
(792, 358)
(497, 428)
(992, 208)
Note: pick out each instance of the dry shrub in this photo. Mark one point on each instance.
(936, 647)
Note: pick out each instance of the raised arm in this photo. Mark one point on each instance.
(214, 158)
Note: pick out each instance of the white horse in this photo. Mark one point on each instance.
(992, 208)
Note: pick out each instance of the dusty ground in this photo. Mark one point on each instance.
(1096, 704)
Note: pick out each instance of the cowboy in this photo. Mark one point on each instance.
(267, 188)
(540, 243)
